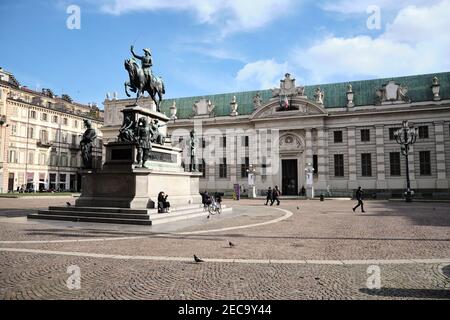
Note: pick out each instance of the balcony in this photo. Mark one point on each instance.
(43, 143)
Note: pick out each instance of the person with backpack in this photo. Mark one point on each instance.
(359, 196)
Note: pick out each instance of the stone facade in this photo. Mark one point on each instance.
(344, 130)
(39, 137)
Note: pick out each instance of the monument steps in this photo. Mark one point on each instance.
(89, 219)
(121, 215)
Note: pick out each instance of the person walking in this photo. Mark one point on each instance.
(269, 195)
(275, 196)
(359, 196)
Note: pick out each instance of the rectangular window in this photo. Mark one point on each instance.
(32, 114)
(315, 164)
(30, 133)
(366, 164)
(64, 159)
(224, 142)
(31, 158)
(423, 132)
(338, 165)
(365, 135)
(65, 121)
(14, 129)
(223, 168)
(425, 163)
(12, 156)
(44, 117)
(75, 123)
(391, 133)
(337, 136)
(52, 179)
(203, 143)
(394, 161)
(55, 119)
(202, 168)
(244, 167)
(246, 141)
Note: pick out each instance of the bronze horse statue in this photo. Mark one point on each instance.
(139, 83)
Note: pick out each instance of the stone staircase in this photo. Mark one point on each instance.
(121, 215)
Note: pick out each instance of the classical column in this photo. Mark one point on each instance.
(381, 169)
(212, 158)
(441, 182)
(231, 153)
(308, 151)
(351, 143)
(322, 158)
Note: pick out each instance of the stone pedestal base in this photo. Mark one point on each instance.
(252, 192)
(310, 192)
(137, 188)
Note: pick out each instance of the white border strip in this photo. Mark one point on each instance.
(287, 215)
(242, 261)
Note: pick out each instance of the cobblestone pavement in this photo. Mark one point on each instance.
(302, 255)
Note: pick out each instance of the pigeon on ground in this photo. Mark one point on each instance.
(207, 217)
(231, 244)
(197, 259)
(68, 204)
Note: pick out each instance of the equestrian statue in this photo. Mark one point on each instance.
(142, 78)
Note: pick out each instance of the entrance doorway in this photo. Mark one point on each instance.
(11, 182)
(289, 182)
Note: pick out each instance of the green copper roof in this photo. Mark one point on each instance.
(419, 89)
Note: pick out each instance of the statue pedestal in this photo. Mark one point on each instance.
(123, 184)
(310, 192)
(252, 192)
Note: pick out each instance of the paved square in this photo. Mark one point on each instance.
(299, 250)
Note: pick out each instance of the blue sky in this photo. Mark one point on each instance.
(202, 47)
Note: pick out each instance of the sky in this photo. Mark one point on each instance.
(203, 47)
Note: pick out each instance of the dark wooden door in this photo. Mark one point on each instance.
(289, 177)
(11, 182)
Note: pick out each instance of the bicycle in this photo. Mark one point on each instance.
(214, 207)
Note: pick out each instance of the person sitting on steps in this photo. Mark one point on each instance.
(163, 204)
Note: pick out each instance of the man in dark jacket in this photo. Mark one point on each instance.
(269, 195)
(359, 196)
(275, 196)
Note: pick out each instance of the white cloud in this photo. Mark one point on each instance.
(262, 74)
(415, 42)
(360, 6)
(229, 15)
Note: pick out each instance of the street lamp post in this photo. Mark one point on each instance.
(406, 136)
(251, 181)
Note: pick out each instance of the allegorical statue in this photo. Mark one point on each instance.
(192, 149)
(142, 78)
(144, 136)
(127, 131)
(158, 137)
(86, 144)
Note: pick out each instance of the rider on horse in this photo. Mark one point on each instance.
(146, 63)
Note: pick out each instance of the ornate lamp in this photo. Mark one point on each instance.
(406, 136)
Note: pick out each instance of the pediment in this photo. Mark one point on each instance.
(298, 107)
